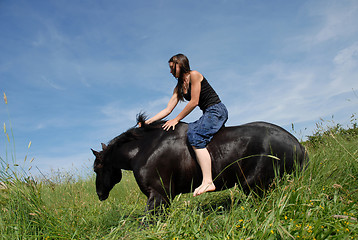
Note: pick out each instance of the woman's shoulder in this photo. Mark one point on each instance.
(196, 76)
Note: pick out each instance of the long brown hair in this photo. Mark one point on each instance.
(183, 62)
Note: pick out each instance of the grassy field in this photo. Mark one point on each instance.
(321, 203)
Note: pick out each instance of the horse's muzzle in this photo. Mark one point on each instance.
(102, 197)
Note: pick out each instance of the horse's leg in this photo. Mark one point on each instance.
(156, 200)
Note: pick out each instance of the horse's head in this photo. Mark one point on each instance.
(106, 174)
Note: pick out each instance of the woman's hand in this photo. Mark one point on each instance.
(170, 124)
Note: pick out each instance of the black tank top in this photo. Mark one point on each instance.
(208, 96)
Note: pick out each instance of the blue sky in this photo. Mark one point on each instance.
(76, 73)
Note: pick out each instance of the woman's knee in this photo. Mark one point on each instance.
(197, 141)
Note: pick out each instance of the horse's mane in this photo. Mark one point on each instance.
(136, 132)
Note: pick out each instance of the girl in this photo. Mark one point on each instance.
(194, 88)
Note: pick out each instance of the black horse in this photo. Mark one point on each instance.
(164, 163)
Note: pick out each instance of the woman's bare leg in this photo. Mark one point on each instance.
(204, 160)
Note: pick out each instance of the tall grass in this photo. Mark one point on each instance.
(320, 203)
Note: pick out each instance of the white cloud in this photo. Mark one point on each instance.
(52, 83)
(159, 103)
(282, 92)
(324, 24)
(339, 19)
(345, 73)
(116, 113)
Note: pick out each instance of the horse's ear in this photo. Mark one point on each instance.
(103, 146)
(95, 153)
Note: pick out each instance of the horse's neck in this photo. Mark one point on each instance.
(126, 155)
(135, 151)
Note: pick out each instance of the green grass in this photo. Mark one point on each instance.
(321, 203)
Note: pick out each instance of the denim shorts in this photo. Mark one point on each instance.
(202, 131)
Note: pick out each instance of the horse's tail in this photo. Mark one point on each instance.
(305, 159)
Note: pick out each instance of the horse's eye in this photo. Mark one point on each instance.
(97, 167)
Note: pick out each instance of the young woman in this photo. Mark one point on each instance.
(194, 88)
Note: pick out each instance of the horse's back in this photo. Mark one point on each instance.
(254, 137)
(260, 134)
(249, 152)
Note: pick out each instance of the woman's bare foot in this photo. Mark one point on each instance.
(203, 188)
